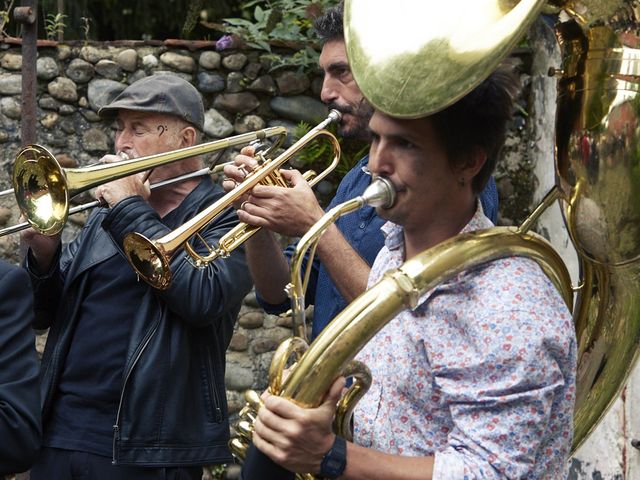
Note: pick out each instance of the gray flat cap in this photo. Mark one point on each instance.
(164, 93)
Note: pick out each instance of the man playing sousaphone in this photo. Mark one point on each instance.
(478, 381)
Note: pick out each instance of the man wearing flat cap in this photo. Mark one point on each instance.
(133, 377)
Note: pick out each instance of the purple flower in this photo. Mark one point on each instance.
(224, 42)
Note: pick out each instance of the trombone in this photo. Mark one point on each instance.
(150, 258)
(212, 170)
(43, 188)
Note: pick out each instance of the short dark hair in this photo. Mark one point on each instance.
(329, 25)
(478, 120)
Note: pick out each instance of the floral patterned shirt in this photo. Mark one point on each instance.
(481, 374)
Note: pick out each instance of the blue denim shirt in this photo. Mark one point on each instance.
(362, 230)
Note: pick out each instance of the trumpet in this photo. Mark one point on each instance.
(243, 231)
(43, 188)
(150, 258)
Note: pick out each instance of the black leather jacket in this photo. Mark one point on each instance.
(173, 408)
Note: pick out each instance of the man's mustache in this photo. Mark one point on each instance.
(341, 108)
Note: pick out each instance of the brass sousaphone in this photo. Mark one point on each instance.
(413, 58)
(444, 56)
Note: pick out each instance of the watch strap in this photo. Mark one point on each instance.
(335, 460)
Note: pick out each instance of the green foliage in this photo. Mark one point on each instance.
(316, 155)
(124, 19)
(306, 59)
(314, 152)
(54, 24)
(280, 22)
(142, 19)
(86, 28)
(193, 14)
(5, 15)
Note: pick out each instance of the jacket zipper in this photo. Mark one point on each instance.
(116, 426)
(213, 390)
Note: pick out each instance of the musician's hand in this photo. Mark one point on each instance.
(287, 211)
(118, 190)
(294, 437)
(236, 173)
(111, 158)
(113, 192)
(42, 247)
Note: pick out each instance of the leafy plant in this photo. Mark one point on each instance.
(266, 23)
(193, 14)
(86, 27)
(54, 24)
(305, 59)
(5, 15)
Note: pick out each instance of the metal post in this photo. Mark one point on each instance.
(27, 15)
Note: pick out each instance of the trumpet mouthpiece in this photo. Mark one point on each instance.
(335, 116)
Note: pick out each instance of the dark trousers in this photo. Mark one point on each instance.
(57, 464)
(257, 466)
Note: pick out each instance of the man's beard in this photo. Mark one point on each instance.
(362, 113)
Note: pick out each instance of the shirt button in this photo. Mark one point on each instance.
(363, 224)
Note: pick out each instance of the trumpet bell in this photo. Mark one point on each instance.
(148, 260)
(39, 184)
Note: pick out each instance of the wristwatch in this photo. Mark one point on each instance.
(335, 460)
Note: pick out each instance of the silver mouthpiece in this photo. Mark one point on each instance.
(380, 193)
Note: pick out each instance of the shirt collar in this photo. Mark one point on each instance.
(394, 241)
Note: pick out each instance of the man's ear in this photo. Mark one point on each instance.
(474, 163)
(188, 136)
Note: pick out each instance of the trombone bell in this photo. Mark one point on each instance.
(39, 184)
